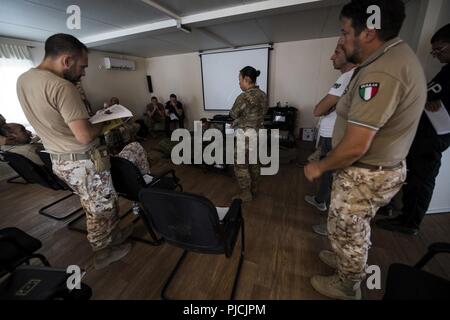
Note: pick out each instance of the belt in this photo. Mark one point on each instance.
(70, 156)
(377, 168)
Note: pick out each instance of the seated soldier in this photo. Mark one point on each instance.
(174, 113)
(16, 139)
(128, 130)
(155, 113)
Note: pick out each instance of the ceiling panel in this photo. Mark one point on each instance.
(188, 7)
(196, 40)
(41, 20)
(145, 47)
(38, 19)
(299, 25)
(242, 33)
(120, 13)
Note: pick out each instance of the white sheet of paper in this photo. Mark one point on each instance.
(440, 120)
(116, 111)
(173, 116)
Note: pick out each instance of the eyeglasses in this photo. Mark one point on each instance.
(438, 50)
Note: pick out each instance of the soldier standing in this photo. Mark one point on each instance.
(424, 158)
(248, 113)
(376, 123)
(54, 108)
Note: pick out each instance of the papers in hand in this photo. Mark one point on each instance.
(116, 111)
(173, 116)
(440, 120)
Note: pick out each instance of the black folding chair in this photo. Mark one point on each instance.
(128, 181)
(193, 223)
(17, 247)
(412, 283)
(33, 173)
(31, 282)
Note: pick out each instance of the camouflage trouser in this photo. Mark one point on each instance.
(357, 195)
(135, 153)
(246, 174)
(97, 195)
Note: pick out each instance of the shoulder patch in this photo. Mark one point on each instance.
(368, 91)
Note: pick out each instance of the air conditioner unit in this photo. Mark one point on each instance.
(119, 64)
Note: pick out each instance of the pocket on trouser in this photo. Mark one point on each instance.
(101, 208)
(350, 239)
(100, 158)
(387, 184)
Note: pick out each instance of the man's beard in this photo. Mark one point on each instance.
(354, 57)
(71, 76)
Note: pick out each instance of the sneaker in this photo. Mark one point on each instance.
(396, 225)
(329, 258)
(315, 156)
(110, 254)
(336, 288)
(312, 201)
(321, 229)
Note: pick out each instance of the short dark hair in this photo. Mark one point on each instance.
(443, 34)
(250, 72)
(154, 98)
(392, 16)
(173, 95)
(62, 43)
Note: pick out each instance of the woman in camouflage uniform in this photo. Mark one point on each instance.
(248, 113)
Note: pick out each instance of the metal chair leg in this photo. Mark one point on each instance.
(42, 258)
(42, 210)
(13, 180)
(241, 260)
(156, 241)
(172, 275)
(183, 256)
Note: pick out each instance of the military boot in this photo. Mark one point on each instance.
(336, 288)
(329, 258)
(244, 195)
(110, 254)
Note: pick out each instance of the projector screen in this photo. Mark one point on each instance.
(220, 75)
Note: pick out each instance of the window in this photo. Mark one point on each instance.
(14, 60)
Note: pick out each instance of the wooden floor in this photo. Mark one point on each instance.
(281, 249)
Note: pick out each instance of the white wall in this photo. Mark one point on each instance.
(129, 86)
(300, 73)
(179, 74)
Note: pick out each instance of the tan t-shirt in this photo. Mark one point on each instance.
(50, 103)
(387, 93)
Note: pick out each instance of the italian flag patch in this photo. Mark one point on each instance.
(369, 90)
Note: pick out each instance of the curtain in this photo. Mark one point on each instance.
(11, 51)
(14, 60)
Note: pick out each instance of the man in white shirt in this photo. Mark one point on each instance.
(326, 110)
